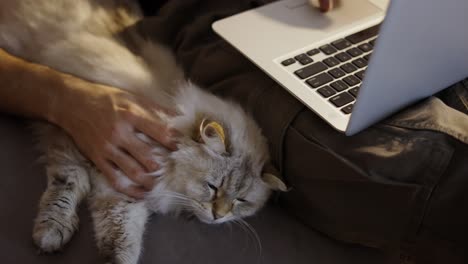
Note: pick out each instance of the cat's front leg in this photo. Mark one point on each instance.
(57, 219)
(68, 184)
(119, 223)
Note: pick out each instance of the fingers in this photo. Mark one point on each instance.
(131, 168)
(142, 152)
(323, 5)
(111, 174)
(164, 135)
(145, 119)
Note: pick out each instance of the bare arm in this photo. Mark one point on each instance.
(29, 89)
(100, 119)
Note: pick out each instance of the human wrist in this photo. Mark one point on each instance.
(51, 99)
(65, 102)
(37, 91)
(77, 102)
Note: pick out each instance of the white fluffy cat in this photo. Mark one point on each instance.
(216, 173)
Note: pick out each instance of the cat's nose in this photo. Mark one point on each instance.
(217, 216)
(220, 210)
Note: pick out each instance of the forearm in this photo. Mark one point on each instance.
(100, 119)
(31, 90)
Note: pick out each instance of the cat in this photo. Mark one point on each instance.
(216, 173)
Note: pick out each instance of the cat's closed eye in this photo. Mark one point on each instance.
(240, 200)
(213, 190)
(212, 187)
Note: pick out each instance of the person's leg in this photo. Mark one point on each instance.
(150, 7)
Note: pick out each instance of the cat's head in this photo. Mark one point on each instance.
(218, 172)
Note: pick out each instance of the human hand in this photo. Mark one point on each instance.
(324, 5)
(103, 122)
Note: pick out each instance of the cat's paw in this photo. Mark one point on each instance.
(50, 235)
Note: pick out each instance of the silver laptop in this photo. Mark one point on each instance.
(346, 65)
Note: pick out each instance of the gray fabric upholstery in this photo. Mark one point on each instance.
(168, 239)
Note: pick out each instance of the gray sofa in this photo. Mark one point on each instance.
(168, 240)
(407, 197)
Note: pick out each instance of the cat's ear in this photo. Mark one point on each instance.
(271, 180)
(274, 182)
(212, 134)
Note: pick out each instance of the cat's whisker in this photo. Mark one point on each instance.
(175, 195)
(182, 200)
(172, 194)
(245, 230)
(229, 224)
(252, 231)
(183, 203)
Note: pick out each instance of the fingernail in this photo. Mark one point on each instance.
(322, 5)
(153, 166)
(139, 196)
(172, 143)
(148, 184)
(137, 192)
(174, 133)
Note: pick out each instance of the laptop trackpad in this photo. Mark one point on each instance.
(292, 24)
(299, 13)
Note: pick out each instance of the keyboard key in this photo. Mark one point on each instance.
(354, 91)
(339, 85)
(328, 49)
(367, 57)
(354, 52)
(343, 56)
(372, 42)
(313, 52)
(341, 99)
(306, 61)
(347, 109)
(364, 34)
(348, 67)
(288, 62)
(320, 80)
(301, 56)
(366, 47)
(311, 70)
(331, 61)
(341, 44)
(360, 63)
(337, 73)
(326, 91)
(360, 74)
(351, 80)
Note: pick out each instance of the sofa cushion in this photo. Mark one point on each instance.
(168, 239)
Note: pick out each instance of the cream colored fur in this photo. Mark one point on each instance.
(216, 181)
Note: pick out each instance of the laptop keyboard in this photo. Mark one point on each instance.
(337, 78)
